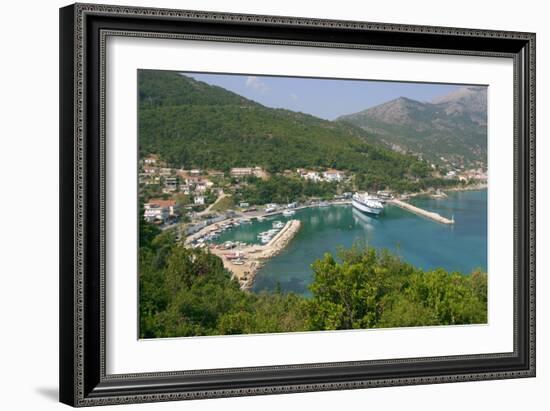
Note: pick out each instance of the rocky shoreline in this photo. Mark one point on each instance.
(440, 193)
(474, 187)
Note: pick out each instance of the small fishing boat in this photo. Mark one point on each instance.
(229, 244)
(278, 224)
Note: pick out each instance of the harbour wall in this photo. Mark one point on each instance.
(419, 211)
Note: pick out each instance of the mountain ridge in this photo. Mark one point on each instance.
(452, 127)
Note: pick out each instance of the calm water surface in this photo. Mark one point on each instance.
(419, 241)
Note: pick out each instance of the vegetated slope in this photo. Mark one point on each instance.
(193, 124)
(453, 127)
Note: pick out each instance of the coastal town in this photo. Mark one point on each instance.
(199, 205)
(257, 217)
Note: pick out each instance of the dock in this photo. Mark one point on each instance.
(421, 212)
(254, 256)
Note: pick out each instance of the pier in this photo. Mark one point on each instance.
(252, 257)
(421, 212)
(240, 216)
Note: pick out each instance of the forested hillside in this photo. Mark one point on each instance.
(192, 124)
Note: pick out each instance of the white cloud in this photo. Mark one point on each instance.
(255, 83)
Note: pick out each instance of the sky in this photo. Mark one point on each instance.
(324, 98)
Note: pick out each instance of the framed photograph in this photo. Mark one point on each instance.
(261, 204)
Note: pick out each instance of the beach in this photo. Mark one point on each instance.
(252, 257)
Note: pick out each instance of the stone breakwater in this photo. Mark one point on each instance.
(244, 262)
(416, 210)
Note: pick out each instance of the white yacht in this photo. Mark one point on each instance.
(278, 224)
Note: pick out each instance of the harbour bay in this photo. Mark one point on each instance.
(426, 244)
(267, 217)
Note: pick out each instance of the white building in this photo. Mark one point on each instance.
(200, 188)
(156, 212)
(150, 170)
(333, 176)
(193, 180)
(241, 171)
(148, 179)
(312, 176)
(158, 209)
(199, 200)
(185, 189)
(151, 159)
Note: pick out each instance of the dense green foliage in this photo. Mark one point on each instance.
(369, 289)
(223, 204)
(167, 88)
(192, 124)
(368, 182)
(280, 189)
(186, 292)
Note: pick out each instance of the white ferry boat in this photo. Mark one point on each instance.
(367, 204)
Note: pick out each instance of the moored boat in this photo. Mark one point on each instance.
(278, 224)
(367, 204)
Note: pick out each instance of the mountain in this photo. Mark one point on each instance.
(453, 127)
(192, 124)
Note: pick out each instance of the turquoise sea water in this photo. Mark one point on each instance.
(419, 241)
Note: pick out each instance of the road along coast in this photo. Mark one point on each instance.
(240, 217)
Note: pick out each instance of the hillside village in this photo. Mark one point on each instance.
(198, 197)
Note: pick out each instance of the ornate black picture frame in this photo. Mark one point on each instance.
(83, 30)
